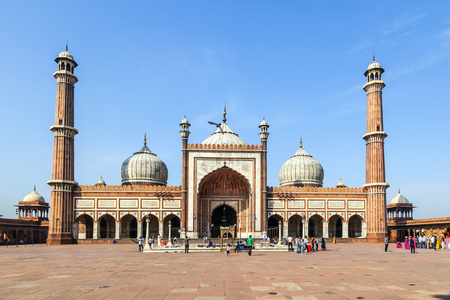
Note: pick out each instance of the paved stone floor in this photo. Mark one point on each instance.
(345, 271)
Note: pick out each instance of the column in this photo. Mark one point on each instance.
(345, 230)
(364, 230)
(147, 234)
(285, 229)
(305, 228)
(280, 237)
(117, 230)
(95, 230)
(161, 229)
(169, 243)
(325, 230)
(139, 229)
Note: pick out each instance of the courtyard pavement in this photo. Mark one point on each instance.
(107, 271)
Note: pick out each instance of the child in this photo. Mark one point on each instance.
(228, 250)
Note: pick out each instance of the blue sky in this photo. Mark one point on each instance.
(143, 65)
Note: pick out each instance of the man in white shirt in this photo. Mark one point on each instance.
(290, 247)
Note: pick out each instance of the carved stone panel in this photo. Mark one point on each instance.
(107, 203)
(332, 204)
(316, 204)
(84, 203)
(150, 203)
(352, 204)
(296, 204)
(171, 203)
(128, 203)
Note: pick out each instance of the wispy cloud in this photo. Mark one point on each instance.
(418, 65)
(407, 21)
(445, 36)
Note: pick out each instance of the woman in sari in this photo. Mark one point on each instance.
(407, 243)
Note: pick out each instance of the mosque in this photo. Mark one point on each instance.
(224, 183)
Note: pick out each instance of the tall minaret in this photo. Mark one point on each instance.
(62, 182)
(375, 171)
(264, 134)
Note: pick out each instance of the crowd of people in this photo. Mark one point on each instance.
(302, 245)
(426, 242)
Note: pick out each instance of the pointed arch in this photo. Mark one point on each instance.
(335, 226)
(224, 181)
(85, 226)
(315, 226)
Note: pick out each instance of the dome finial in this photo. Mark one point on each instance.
(145, 139)
(373, 56)
(301, 143)
(224, 113)
(67, 45)
(399, 190)
(35, 188)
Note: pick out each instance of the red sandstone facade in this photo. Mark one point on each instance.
(221, 184)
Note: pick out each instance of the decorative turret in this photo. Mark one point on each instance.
(185, 128)
(263, 130)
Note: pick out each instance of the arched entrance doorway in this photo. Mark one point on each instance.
(175, 226)
(335, 226)
(107, 227)
(128, 226)
(355, 226)
(224, 191)
(273, 224)
(295, 226)
(85, 227)
(222, 216)
(315, 226)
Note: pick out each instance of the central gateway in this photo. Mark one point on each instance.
(224, 201)
(224, 183)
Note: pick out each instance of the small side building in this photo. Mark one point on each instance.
(402, 224)
(31, 227)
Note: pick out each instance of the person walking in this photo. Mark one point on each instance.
(159, 241)
(290, 247)
(411, 245)
(324, 244)
(186, 245)
(302, 246)
(140, 244)
(250, 245)
(386, 243)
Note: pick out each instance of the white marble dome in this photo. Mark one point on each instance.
(224, 136)
(144, 167)
(374, 65)
(301, 170)
(65, 54)
(33, 197)
(399, 199)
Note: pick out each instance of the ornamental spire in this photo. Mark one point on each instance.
(145, 139)
(301, 143)
(224, 113)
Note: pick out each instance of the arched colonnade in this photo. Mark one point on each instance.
(107, 227)
(315, 226)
